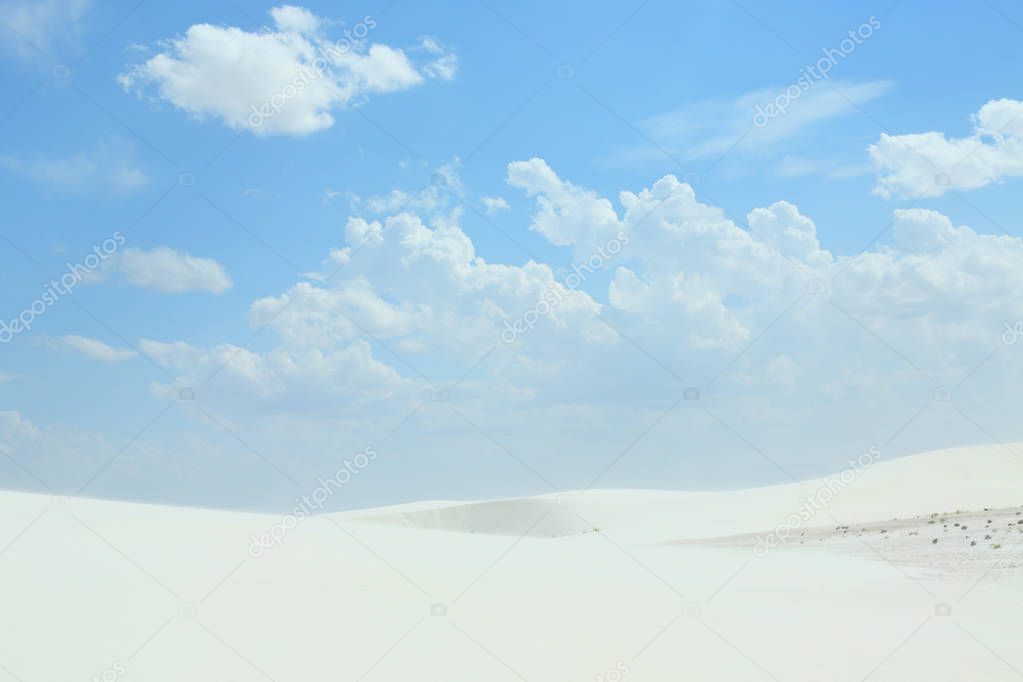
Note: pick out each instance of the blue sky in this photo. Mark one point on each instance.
(130, 119)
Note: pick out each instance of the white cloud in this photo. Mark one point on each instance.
(318, 316)
(445, 62)
(44, 25)
(568, 214)
(432, 199)
(415, 288)
(94, 349)
(110, 166)
(294, 19)
(296, 379)
(6, 378)
(429, 200)
(492, 205)
(329, 195)
(692, 275)
(287, 81)
(698, 300)
(169, 271)
(177, 354)
(692, 288)
(930, 164)
(708, 129)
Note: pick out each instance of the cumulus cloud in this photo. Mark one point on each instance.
(94, 349)
(286, 81)
(169, 271)
(937, 277)
(686, 283)
(109, 166)
(42, 26)
(685, 259)
(409, 280)
(931, 164)
(568, 214)
(692, 273)
(410, 294)
(691, 285)
(687, 297)
(319, 317)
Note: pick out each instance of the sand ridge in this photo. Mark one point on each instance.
(566, 586)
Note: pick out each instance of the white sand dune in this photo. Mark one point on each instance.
(615, 585)
(538, 517)
(945, 480)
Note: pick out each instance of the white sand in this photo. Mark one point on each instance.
(628, 585)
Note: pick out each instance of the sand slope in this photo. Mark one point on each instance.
(644, 585)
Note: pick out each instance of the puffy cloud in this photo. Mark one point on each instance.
(687, 283)
(931, 164)
(410, 280)
(407, 301)
(790, 232)
(95, 349)
(409, 297)
(310, 316)
(697, 285)
(679, 295)
(286, 81)
(937, 279)
(690, 258)
(169, 271)
(568, 214)
(294, 19)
